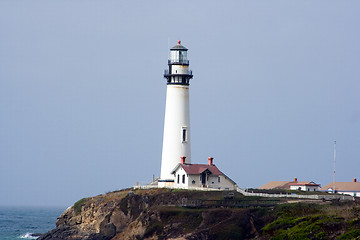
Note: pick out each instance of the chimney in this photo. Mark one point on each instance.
(354, 180)
(210, 160)
(182, 160)
(295, 179)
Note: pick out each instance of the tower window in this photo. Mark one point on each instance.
(184, 134)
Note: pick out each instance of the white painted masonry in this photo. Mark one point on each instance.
(176, 138)
(177, 119)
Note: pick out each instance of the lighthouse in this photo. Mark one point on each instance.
(176, 138)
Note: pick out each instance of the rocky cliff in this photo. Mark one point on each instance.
(180, 214)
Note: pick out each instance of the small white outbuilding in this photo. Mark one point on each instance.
(195, 176)
(346, 188)
(305, 186)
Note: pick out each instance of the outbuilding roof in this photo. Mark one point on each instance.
(286, 184)
(274, 184)
(343, 186)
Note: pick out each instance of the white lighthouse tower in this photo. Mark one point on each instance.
(176, 138)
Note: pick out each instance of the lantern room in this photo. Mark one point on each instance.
(178, 54)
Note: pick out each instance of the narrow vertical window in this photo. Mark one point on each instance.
(219, 179)
(183, 178)
(184, 134)
(178, 179)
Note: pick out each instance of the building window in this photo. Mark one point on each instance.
(178, 180)
(184, 134)
(219, 179)
(183, 178)
(193, 181)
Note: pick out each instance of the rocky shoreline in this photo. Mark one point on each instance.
(181, 214)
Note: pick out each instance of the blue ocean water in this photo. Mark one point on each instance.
(20, 222)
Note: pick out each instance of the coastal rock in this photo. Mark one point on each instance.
(191, 215)
(141, 214)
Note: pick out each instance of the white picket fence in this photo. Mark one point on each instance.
(268, 195)
(316, 197)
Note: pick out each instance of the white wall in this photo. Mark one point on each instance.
(180, 69)
(354, 194)
(180, 172)
(177, 116)
(226, 183)
(305, 188)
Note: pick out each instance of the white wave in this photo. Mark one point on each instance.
(28, 236)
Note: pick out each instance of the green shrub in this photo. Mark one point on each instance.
(309, 227)
(78, 205)
(353, 234)
(297, 209)
(230, 231)
(154, 227)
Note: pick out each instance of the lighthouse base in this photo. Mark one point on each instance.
(166, 183)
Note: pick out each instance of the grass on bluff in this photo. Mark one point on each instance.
(309, 227)
(314, 221)
(189, 219)
(78, 205)
(186, 220)
(352, 234)
(155, 227)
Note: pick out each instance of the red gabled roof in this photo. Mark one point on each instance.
(200, 168)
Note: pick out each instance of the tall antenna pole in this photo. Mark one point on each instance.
(334, 176)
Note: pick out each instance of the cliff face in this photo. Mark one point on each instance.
(155, 214)
(180, 214)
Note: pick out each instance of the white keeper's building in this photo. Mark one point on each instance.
(189, 176)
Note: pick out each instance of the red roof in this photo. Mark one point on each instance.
(302, 184)
(200, 168)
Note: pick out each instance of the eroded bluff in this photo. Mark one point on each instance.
(158, 214)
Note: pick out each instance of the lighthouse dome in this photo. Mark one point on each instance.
(179, 47)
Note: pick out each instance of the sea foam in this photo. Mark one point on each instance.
(28, 236)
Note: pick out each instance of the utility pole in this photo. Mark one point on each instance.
(334, 176)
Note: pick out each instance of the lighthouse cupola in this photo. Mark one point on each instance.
(178, 71)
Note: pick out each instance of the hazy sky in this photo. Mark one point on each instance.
(82, 93)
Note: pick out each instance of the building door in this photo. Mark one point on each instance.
(203, 179)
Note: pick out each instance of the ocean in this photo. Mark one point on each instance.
(20, 222)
